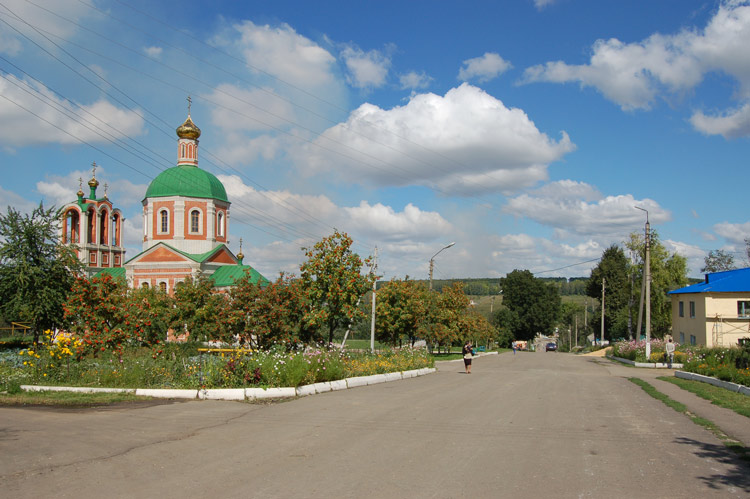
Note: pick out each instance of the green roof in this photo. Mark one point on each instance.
(189, 181)
(226, 275)
(114, 272)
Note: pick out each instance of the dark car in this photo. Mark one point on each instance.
(551, 347)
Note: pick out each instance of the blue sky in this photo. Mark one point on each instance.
(525, 131)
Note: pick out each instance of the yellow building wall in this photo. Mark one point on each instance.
(716, 322)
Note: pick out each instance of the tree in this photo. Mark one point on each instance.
(668, 272)
(36, 272)
(535, 304)
(614, 269)
(400, 309)
(199, 311)
(718, 261)
(261, 315)
(333, 283)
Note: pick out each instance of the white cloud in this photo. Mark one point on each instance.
(633, 74)
(484, 68)
(365, 69)
(731, 124)
(153, 52)
(10, 198)
(578, 208)
(384, 223)
(238, 110)
(542, 4)
(10, 41)
(285, 54)
(734, 233)
(464, 142)
(27, 120)
(414, 80)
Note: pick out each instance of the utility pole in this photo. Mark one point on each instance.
(432, 260)
(576, 331)
(604, 287)
(374, 287)
(646, 286)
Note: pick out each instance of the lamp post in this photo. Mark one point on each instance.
(647, 284)
(432, 261)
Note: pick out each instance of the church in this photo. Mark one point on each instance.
(185, 227)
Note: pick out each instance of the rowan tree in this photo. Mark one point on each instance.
(333, 283)
(400, 309)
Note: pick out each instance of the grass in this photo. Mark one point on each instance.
(737, 402)
(730, 443)
(363, 345)
(66, 399)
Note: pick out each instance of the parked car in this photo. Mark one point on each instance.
(551, 347)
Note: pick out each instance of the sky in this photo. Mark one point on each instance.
(525, 131)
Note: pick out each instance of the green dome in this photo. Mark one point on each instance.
(188, 181)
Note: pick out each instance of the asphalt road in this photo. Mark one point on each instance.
(525, 425)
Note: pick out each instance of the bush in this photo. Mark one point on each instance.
(721, 363)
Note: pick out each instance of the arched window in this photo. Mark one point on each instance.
(144, 284)
(103, 227)
(220, 224)
(164, 222)
(182, 150)
(163, 286)
(195, 222)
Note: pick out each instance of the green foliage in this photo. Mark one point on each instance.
(333, 284)
(200, 311)
(718, 261)
(614, 268)
(727, 364)
(400, 310)
(36, 272)
(534, 304)
(668, 272)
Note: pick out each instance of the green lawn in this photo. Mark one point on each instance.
(737, 402)
(66, 399)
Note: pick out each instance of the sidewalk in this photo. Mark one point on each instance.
(733, 424)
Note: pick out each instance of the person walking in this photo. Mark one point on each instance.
(669, 347)
(466, 351)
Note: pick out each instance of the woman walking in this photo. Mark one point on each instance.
(466, 351)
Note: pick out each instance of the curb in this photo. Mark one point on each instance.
(734, 387)
(245, 394)
(652, 365)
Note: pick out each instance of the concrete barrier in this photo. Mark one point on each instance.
(303, 391)
(270, 393)
(728, 385)
(78, 389)
(409, 374)
(222, 394)
(338, 385)
(358, 381)
(162, 393)
(393, 376)
(322, 387)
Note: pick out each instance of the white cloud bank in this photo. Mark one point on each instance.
(33, 115)
(366, 69)
(634, 74)
(578, 208)
(463, 143)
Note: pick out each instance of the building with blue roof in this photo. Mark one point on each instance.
(714, 312)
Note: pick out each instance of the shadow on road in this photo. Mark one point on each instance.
(737, 476)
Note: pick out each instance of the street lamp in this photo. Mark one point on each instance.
(432, 261)
(646, 286)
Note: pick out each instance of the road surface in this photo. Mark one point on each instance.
(526, 425)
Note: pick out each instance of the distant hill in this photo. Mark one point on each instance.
(488, 286)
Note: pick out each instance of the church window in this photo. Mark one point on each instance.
(220, 224)
(144, 284)
(195, 222)
(163, 286)
(164, 222)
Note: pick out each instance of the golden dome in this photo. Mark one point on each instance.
(188, 130)
(93, 183)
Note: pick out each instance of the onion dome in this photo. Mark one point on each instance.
(188, 181)
(188, 130)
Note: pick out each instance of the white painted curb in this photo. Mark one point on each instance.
(245, 393)
(657, 365)
(303, 391)
(734, 387)
(270, 393)
(222, 394)
(161, 393)
(78, 389)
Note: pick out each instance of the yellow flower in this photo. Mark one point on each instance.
(45, 374)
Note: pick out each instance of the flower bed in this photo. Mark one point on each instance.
(636, 351)
(180, 366)
(726, 364)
